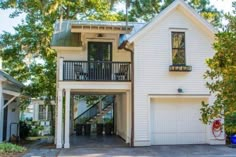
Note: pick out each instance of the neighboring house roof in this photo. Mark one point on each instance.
(11, 79)
(177, 3)
(64, 37)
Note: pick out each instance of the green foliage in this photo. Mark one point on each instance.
(24, 129)
(7, 148)
(35, 128)
(144, 10)
(84, 120)
(108, 120)
(221, 78)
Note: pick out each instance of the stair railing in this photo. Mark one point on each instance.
(92, 111)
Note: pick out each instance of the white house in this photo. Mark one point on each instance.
(154, 70)
(40, 111)
(10, 91)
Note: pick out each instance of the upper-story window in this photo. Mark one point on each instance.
(178, 48)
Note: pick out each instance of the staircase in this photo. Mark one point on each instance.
(98, 110)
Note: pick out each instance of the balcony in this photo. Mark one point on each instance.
(95, 71)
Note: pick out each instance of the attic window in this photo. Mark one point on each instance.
(178, 48)
(178, 52)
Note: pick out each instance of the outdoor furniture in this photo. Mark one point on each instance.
(123, 72)
(79, 72)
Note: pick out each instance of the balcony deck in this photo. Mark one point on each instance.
(96, 71)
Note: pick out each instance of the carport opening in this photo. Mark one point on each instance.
(96, 121)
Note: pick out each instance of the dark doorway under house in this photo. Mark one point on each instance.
(5, 114)
(95, 126)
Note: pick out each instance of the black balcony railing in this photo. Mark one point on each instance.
(96, 71)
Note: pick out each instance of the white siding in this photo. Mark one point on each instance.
(82, 54)
(12, 117)
(152, 59)
(121, 111)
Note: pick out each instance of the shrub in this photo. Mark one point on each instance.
(7, 148)
(24, 129)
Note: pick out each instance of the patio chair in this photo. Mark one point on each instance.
(79, 72)
(123, 72)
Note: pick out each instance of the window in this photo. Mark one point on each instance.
(42, 112)
(178, 48)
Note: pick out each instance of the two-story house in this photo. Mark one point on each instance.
(154, 70)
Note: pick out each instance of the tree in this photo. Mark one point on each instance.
(144, 10)
(27, 54)
(221, 77)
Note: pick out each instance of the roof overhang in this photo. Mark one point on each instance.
(12, 93)
(93, 28)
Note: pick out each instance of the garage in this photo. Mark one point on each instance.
(176, 121)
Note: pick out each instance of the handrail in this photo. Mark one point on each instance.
(97, 61)
(92, 111)
(96, 71)
(89, 108)
(107, 104)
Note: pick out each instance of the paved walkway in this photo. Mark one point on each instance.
(41, 149)
(154, 151)
(112, 146)
(94, 141)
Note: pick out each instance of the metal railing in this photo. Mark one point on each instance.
(94, 110)
(96, 71)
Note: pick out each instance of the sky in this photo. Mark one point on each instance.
(7, 24)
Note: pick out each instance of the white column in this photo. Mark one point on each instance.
(59, 119)
(46, 113)
(36, 111)
(67, 120)
(1, 112)
(128, 117)
(61, 68)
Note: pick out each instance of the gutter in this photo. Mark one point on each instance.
(123, 46)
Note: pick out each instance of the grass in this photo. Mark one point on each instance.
(9, 148)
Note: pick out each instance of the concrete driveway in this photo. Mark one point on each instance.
(157, 151)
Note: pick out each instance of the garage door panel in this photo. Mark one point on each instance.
(164, 139)
(159, 126)
(176, 121)
(190, 138)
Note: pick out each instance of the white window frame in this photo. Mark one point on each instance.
(185, 31)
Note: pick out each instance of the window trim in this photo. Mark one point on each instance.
(172, 47)
(184, 30)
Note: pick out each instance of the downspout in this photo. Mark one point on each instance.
(123, 46)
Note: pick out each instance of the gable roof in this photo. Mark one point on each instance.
(11, 79)
(177, 3)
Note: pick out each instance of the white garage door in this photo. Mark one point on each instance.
(176, 121)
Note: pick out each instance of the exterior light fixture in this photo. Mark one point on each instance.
(100, 35)
(180, 90)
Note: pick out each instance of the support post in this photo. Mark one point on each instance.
(61, 68)
(1, 112)
(59, 119)
(67, 120)
(128, 117)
